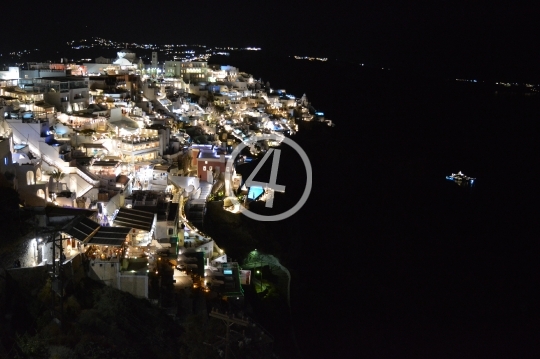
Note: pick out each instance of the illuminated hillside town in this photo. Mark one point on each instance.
(117, 158)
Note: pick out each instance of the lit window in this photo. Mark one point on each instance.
(30, 180)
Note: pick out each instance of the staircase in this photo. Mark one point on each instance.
(88, 177)
(196, 208)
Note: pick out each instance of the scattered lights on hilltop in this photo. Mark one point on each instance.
(527, 87)
(18, 54)
(176, 52)
(311, 58)
(180, 52)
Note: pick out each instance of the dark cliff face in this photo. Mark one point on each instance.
(10, 218)
(9, 199)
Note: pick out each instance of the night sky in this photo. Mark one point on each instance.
(485, 38)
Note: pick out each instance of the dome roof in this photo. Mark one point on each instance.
(127, 54)
(123, 61)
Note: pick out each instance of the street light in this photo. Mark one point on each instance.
(260, 272)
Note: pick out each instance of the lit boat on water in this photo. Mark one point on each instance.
(460, 178)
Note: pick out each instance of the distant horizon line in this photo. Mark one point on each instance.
(117, 45)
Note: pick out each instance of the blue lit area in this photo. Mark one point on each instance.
(255, 192)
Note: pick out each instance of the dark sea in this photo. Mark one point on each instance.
(393, 260)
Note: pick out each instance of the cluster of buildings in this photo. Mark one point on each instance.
(118, 159)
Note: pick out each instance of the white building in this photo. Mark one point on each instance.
(11, 74)
(192, 72)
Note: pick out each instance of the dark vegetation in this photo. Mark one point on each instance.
(11, 218)
(99, 322)
(239, 235)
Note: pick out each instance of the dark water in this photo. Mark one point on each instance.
(393, 260)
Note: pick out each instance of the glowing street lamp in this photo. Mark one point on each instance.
(260, 272)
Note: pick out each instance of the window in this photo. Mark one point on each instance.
(40, 193)
(30, 178)
(171, 231)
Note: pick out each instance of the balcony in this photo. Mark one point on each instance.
(139, 146)
(78, 85)
(77, 99)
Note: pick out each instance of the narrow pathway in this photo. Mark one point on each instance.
(197, 206)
